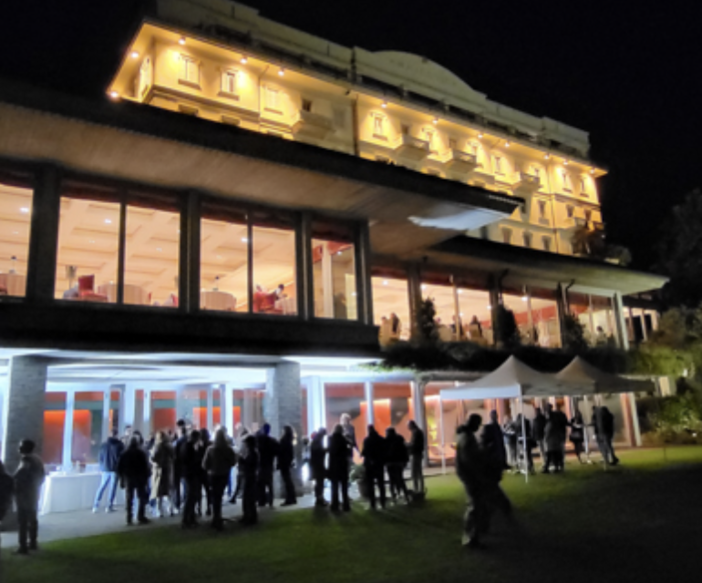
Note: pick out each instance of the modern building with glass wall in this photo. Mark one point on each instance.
(252, 213)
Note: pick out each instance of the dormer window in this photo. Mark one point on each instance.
(567, 182)
(453, 143)
(588, 215)
(498, 165)
(405, 128)
(507, 235)
(229, 83)
(189, 71)
(542, 209)
(145, 76)
(273, 100)
(527, 240)
(307, 105)
(570, 211)
(546, 242)
(379, 126)
(583, 186)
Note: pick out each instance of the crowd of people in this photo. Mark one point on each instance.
(511, 443)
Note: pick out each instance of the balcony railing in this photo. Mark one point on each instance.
(412, 148)
(311, 125)
(462, 162)
(526, 182)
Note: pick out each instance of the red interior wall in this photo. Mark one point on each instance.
(163, 419)
(53, 436)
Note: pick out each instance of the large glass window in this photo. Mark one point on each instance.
(54, 420)
(87, 426)
(350, 399)
(603, 321)
(224, 259)
(15, 216)
(163, 411)
(475, 315)
(152, 251)
(518, 304)
(392, 407)
(445, 306)
(334, 272)
(88, 246)
(275, 289)
(391, 309)
(544, 313)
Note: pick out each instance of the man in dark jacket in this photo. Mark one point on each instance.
(373, 454)
(133, 472)
(286, 458)
(250, 463)
(108, 458)
(492, 441)
(340, 450)
(603, 422)
(191, 472)
(538, 427)
(178, 447)
(28, 480)
(416, 451)
(555, 436)
(267, 452)
(396, 458)
(318, 468)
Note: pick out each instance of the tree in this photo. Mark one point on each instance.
(428, 330)
(574, 334)
(679, 252)
(507, 331)
(591, 243)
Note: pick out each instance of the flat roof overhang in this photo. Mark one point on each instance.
(128, 141)
(520, 266)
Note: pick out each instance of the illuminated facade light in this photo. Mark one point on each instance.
(181, 40)
(480, 135)
(114, 95)
(547, 156)
(592, 170)
(384, 104)
(281, 72)
(507, 144)
(243, 59)
(565, 162)
(436, 120)
(135, 54)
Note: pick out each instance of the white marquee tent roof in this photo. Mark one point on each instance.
(592, 379)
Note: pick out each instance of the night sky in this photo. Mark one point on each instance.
(629, 73)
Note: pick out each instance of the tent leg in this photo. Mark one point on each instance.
(441, 429)
(524, 441)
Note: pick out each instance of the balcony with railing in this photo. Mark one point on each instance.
(461, 162)
(526, 182)
(312, 125)
(412, 148)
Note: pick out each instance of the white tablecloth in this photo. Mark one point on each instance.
(286, 305)
(217, 300)
(14, 283)
(133, 294)
(67, 493)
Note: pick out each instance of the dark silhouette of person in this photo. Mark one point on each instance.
(218, 461)
(318, 455)
(603, 422)
(492, 441)
(339, 448)
(108, 457)
(286, 458)
(7, 491)
(416, 451)
(396, 458)
(205, 485)
(178, 446)
(538, 432)
(239, 490)
(28, 480)
(191, 471)
(267, 452)
(250, 466)
(373, 454)
(133, 471)
(555, 436)
(577, 434)
(480, 482)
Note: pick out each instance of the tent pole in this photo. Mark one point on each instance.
(441, 429)
(598, 397)
(524, 440)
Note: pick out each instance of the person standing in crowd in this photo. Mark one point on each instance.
(481, 483)
(318, 456)
(28, 480)
(475, 330)
(416, 451)
(205, 485)
(555, 436)
(525, 443)
(286, 458)
(162, 457)
(267, 451)
(603, 422)
(190, 467)
(133, 471)
(349, 434)
(178, 447)
(493, 443)
(577, 434)
(249, 495)
(373, 454)
(396, 457)
(510, 441)
(395, 328)
(538, 432)
(339, 449)
(108, 457)
(239, 490)
(218, 462)
(127, 435)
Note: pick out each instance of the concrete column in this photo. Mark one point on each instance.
(494, 294)
(562, 306)
(23, 407)
(654, 320)
(368, 395)
(636, 429)
(619, 320)
(210, 406)
(420, 414)
(226, 404)
(106, 405)
(127, 407)
(66, 459)
(644, 332)
(282, 405)
(146, 417)
(247, 409)
(316, 406)
(414, 290)
(363, 276)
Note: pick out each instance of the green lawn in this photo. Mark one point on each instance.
(638, 522)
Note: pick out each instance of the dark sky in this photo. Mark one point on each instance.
(629, 73)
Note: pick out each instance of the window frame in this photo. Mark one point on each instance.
(229, 78)
(183, 74)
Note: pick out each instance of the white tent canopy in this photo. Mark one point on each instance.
(514, 379)
(590, 379)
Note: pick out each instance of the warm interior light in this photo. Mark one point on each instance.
(592, 170)
(565, 162)
(181, 40)
(24, 210)
(489, 307)
(108, 222)
(135, 54)
(384, 104)
(385, 282)
(114, 95)
(547, 156)
(436, 120)
(480, 135)
(281, 72)
(244, 60)
(524, 299)
(244, 240)
(507, 144)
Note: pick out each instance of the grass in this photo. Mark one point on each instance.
(637, 522)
